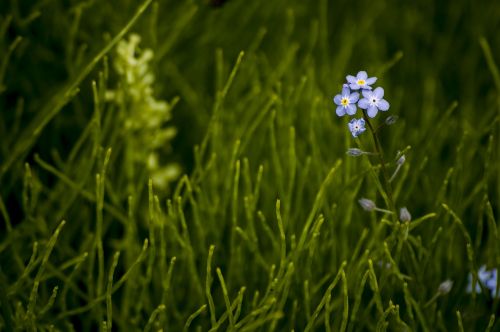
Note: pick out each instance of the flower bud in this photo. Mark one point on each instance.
(367, 204)
(354, 152)
(390, 120)
(401, 160)
(445, 287)
(404, 215)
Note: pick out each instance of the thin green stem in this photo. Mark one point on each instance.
(380, 153)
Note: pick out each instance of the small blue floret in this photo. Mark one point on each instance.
(488, 278)
(356, 126)
(346, 102)
(373, 102)
(361, 81)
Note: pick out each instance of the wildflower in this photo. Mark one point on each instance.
(361, 81)
(145, 117)
(391, 119)
(491, 284)
(404, 215)
(373, 102)
(346, 101)
(356, 126)
(445, 287)
(401, 160)
(488, 278)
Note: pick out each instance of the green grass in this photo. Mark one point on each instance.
(261, 230)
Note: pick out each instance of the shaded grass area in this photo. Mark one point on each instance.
(262, 230)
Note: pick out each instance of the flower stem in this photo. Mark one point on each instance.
(383, 210)
(380, 153)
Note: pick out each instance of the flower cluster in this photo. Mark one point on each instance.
(144, 117)
(488, 279)
(348, 100)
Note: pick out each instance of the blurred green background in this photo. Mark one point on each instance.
(438, 63)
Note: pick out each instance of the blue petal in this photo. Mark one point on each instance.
(354, 86)
(371, 80)
(363, 103)
(337, 99)
(361, 122)
(340, 111)
(351, 109)
(483, 274)
(351, 79)
(383, 105)
(491, 284)
(362, 75)
(379, 92)
(354, 97)
(372, 111)
(367, 94)
(345, 91)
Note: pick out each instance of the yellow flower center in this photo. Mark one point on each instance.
(344, 101)
(361, 82)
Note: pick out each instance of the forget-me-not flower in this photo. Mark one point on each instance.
(361, 81)
(356, 126)
(346, 101)
(491, 284)
(488, 278)
(373, 102)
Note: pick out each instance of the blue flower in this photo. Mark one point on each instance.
(361, 81)
(346, 101)
(356, 126)
(487, 278)
(373, 102)
(491, 284)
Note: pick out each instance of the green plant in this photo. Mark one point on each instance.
(262, 230)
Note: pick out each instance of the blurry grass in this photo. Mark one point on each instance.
(263, 232)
